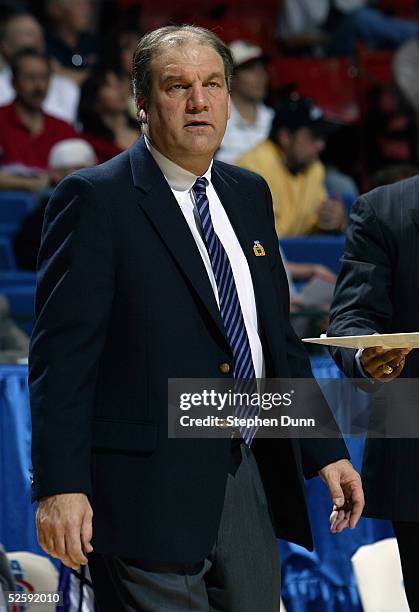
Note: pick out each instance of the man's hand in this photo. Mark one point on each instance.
(305, 271)
(64, 527)
(332, 215)
(345, 488)
(384, 365)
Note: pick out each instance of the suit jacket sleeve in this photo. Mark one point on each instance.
(316, 453)
(362, 300)
(73, 302)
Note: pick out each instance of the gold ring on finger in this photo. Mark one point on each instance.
(387, 369)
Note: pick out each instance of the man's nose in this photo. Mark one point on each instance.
(198, 98)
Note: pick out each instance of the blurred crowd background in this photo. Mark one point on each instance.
(325, 106)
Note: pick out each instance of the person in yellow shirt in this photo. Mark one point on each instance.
(289, 162)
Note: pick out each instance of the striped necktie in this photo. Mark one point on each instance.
(230, 309)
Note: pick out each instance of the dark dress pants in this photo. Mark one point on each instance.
(241, 573)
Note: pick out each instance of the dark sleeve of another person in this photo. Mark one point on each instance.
(362, 300)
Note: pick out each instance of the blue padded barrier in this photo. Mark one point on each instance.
(316, 248)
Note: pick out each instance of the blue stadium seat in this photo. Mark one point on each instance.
(7, 257)
(17, 278)
(14, 206)
(326, 250)
(8, 230)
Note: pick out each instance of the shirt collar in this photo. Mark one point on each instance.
(178, 178)
(17, 121)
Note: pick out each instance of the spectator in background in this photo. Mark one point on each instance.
(104, 117)
(26, 132)
(289, 162)
(69, 40)
(405, 72)
(390, 130)
(344, 22)
(117, 58)
(65, 157)
(250, 119)
(23, 31)
(357, 21)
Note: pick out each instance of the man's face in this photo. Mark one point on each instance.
(76, 14)
(189, 104)
(251, 81)
(22, 31)
(31, 82)
(111, 97)
(301, 147)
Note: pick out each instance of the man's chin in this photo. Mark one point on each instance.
(33, 105)
(202, 144)
(299, 167)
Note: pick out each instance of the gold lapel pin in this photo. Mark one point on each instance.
(258, 249)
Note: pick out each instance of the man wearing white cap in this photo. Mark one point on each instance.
(65, 157)
(250, 119)
(68, 156)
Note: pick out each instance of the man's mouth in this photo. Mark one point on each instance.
(197, 124)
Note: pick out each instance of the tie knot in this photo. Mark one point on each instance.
(200, 185)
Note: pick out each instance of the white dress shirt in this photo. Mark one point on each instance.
(181, 182)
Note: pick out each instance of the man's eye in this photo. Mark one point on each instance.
(178, 86)
(213, 85)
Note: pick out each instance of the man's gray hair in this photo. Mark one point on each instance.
(155, 42)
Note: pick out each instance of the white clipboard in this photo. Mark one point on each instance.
(387, 341)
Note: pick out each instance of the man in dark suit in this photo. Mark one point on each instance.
(378, 292)
(148, 271)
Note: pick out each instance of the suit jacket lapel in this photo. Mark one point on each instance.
(161, 207)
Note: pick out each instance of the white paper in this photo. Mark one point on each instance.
(387, 341)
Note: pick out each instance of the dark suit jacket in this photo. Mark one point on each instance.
(124, 303)
(378, 291)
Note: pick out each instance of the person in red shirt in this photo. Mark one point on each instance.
(27, 134)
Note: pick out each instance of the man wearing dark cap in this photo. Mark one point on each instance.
(250, 119)
(289, 162)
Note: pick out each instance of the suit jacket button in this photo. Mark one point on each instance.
(224, 368)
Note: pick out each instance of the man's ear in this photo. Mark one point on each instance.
(141, 110)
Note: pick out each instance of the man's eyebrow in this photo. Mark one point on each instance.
(173, 77)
